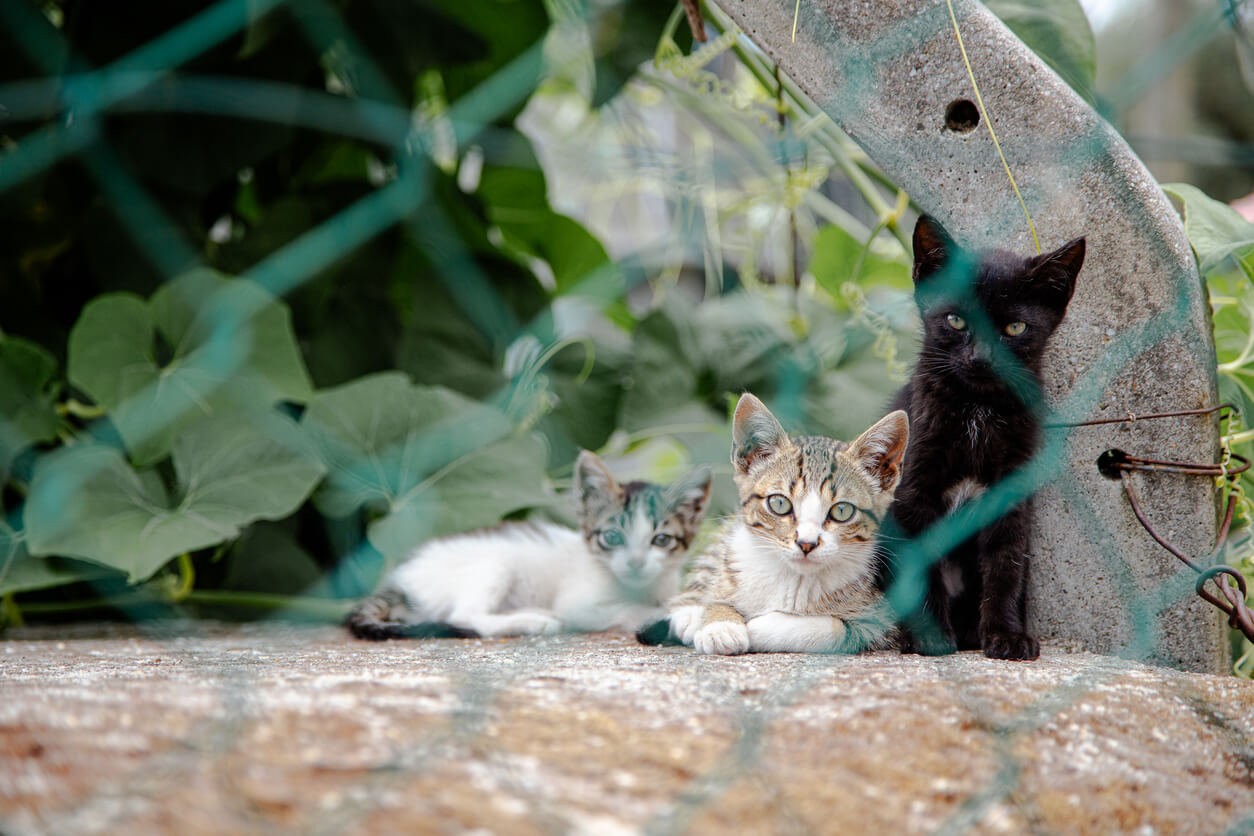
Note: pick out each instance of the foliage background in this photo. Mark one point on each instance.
(288, 288)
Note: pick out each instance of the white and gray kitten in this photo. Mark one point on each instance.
(515, 579)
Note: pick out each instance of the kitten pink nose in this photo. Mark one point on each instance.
(806, 546)
(635, 563)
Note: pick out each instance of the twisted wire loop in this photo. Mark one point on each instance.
(1116, 464)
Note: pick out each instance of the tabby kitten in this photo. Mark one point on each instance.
(795, 570)
(533, 578)
(974, 402)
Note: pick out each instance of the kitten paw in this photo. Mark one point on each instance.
(929, 643)
(724, 638)
(657, 633)
(685, 622)
(1011, 646)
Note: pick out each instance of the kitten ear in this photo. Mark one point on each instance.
(1056, 272)
(755, 433)
(595, 488)
(932, 247)
(689, 498)
(880, 450)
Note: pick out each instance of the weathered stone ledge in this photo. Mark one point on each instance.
(265, 729)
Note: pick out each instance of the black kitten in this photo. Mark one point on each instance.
(974, 403)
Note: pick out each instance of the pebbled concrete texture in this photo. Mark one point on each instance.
(1137, 338)
(271, 729)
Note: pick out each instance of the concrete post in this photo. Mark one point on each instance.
(1137, 337)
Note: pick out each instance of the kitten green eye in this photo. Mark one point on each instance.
(778, 503)
(956, 322)
(1014, 329)
(662, 540)
(842, 511)
(611, 539)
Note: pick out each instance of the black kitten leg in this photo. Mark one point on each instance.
(1004, 570)
(657, 633)
(926, 629)
(930, 632)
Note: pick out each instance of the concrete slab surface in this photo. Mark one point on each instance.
(214, 728)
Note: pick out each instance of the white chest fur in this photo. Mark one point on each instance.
(768, 581)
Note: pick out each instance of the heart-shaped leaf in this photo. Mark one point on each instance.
(231, 344)
(19, 572)
(27, 415)
(231, 468)
(1215, 229)
(1059, 32)
(430, 461)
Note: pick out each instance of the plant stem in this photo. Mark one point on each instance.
(323, 608)
(10, 614)
(109, 601)
(833, 213)
(80, 410)
(672, 24)
(187, 579)
(826, 135)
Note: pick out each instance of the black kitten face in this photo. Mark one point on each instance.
(987, 318)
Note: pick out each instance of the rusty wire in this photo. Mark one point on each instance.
(1116, 464)
(1130, 418)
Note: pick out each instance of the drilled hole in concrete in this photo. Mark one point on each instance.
(962, 116)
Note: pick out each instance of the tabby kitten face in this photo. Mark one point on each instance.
(639, 530)
(986, 320)
(815, 501)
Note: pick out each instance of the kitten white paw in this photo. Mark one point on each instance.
(685, 622)
(725, 638)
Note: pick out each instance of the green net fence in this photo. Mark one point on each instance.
(289, 288)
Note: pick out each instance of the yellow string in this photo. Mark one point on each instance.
(989, 122)
(795, 14)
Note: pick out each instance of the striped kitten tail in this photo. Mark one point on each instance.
(873, 629)
(369, 620)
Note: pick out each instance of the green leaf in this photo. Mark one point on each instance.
(624, 35)
(836, 253)
(844, 401)
(478, 490)
(428, 460)
(1059, 32)
(586, 411)
(742, 337)
(231, 345)
(515, 199)
(666, 367)
(19, 572)
(27, 413)
(1232, 323)
(506, 29)
(335, 161)
(1215, 229)
(267, 558)
(230, 469)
